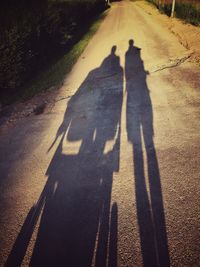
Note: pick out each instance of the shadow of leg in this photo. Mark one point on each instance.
(145, 221)
(157, 207)
(112, 257)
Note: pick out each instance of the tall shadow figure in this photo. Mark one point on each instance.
(78, 226)
(150, 210)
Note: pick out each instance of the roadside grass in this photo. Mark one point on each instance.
(53, 75)
(187, 11)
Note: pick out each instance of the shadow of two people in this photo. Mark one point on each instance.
(79, 222)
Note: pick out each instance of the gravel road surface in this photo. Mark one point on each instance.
(109, 175)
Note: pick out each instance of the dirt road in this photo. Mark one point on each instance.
(110, 175)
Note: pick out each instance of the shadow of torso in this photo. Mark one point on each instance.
(139, 107)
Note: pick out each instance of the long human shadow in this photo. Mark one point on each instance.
(150, 210)
(77, 222)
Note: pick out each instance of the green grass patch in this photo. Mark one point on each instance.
(53, 75)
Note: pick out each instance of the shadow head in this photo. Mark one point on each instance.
(113, 49)
(131, 42)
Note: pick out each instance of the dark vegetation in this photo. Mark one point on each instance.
(186, 10)
(36, 32)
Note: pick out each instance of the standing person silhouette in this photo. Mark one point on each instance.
(79, 234)
(150, 210)
(78, 221)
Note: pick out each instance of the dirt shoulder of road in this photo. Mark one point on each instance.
(187, 34)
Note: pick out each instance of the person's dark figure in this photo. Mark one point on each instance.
(78, 221)
(150, 210)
